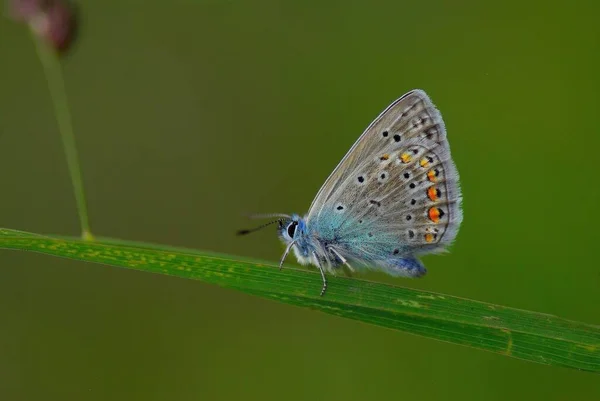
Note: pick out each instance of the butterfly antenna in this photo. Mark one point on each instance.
(244, 232)
(268, 216)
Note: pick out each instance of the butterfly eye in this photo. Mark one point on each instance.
(291, 229)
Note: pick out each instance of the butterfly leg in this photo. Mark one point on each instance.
(324, 288)
(343, 259)
(287, 250)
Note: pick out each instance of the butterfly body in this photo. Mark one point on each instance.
(324, 244)
(393, 197)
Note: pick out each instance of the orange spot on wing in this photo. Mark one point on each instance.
(405, 157)
(433, 174)
(424, 162)
(384, 157)
(428, 237)
(432, 193)
(434, 214)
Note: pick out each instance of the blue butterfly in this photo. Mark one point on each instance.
(394, 196)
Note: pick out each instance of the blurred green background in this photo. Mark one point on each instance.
(189, 114)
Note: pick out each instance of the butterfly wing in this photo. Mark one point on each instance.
(396, 192)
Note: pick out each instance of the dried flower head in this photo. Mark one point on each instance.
(51, 20)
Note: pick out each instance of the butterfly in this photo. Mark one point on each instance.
(393, 197)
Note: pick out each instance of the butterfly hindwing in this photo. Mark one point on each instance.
(396, 192)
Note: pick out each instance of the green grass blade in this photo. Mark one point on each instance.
(526, 335)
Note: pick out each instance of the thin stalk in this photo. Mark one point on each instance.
(56, 85)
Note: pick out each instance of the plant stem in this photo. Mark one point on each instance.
(56, 85)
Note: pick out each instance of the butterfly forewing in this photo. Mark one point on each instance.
(396, 192)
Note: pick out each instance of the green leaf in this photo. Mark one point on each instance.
(512, 332)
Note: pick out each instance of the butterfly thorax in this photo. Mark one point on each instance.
(311, 243)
